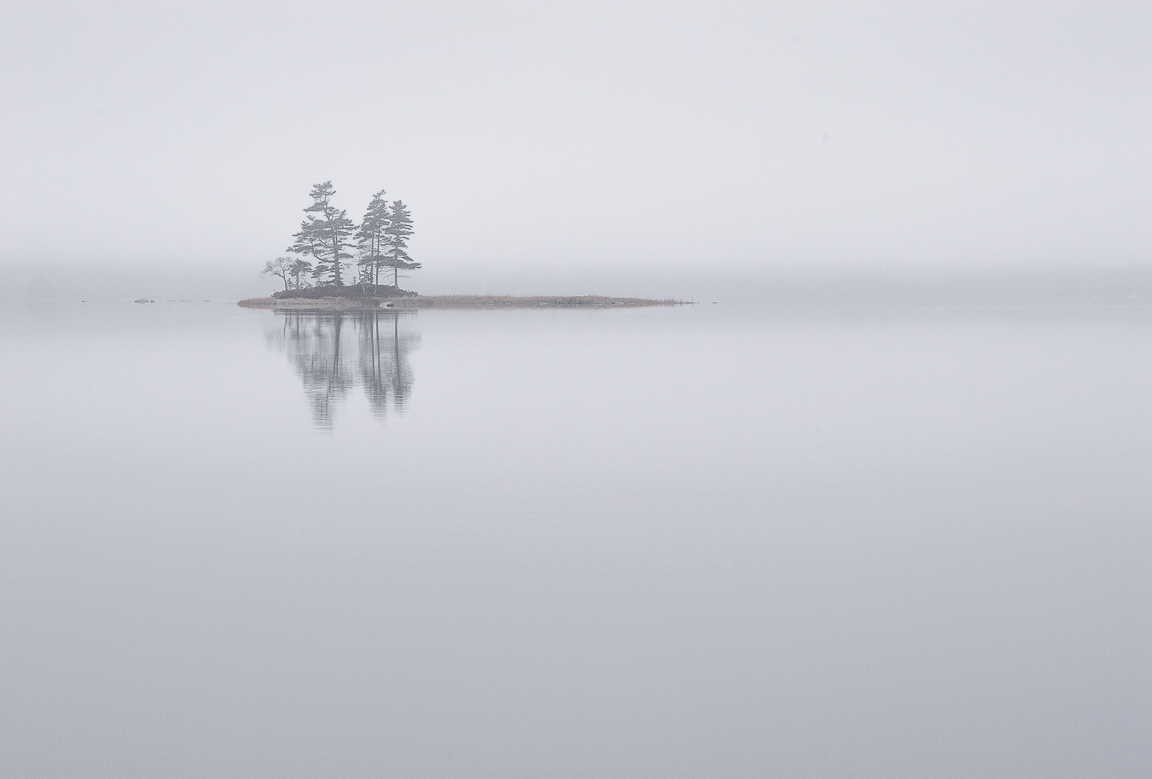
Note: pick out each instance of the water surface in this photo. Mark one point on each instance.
(686, 542)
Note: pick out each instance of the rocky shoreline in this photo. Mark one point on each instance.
(452, 302)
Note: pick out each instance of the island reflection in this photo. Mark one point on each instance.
(334, 352)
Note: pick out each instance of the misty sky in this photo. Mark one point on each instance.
(590, 134)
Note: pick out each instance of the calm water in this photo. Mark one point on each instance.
(649, 543)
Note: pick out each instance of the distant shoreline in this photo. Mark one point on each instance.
(408, 303)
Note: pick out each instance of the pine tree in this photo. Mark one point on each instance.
(372, 239)
(398, 231)
(298, 270)
(324, 234)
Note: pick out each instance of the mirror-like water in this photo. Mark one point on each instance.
(657, 542)
(334, 353)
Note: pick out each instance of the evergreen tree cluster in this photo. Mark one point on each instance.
(329, 237)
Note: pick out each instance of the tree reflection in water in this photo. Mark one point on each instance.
(332, 352)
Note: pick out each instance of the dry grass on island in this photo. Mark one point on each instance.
(412, 302)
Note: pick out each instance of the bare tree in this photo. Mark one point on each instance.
(281, 267)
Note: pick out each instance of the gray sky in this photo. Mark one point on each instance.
(742, 135)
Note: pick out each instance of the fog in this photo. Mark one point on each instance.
(876, 507)
(579, 143)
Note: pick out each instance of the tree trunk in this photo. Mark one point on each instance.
(336, 258)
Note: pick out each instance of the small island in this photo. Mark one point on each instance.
(411, 302)
(380, 243)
